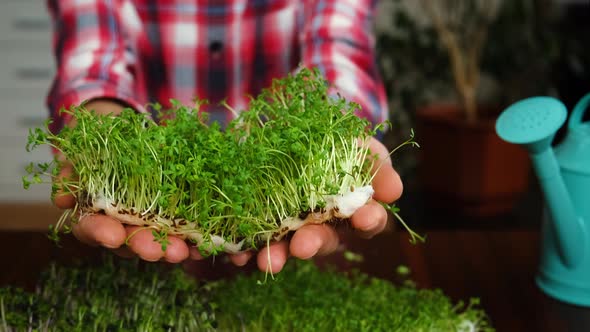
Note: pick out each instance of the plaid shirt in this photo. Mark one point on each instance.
(143, 51)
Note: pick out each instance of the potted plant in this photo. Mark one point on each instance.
(129, 295)
(471, 59)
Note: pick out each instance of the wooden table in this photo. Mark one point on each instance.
(498, 266)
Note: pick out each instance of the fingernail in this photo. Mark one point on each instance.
(109, 245)
(312, 254)
(369, 226)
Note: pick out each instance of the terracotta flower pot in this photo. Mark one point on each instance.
(465, 167)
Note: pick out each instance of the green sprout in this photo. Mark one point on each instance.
(353, 256)
(403, 270)
(162, 238)
(296, 155)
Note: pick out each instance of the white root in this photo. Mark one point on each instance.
(339, 206)
(352, 201)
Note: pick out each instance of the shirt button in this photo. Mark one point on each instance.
(215, 46)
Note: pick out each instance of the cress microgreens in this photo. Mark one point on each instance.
(307, 298)
(288, 155)
(118, 295)
(129, 295)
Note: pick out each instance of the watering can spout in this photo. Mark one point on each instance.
(533, 123)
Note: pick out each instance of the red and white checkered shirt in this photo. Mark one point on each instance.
(146, 51)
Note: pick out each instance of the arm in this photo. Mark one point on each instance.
(96, 63)
(337, 37)
(94, 56)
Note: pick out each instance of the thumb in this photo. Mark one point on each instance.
(62, 198)
(387, 183)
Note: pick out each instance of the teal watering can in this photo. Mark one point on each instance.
(564, 176)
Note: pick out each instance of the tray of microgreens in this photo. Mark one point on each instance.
(129, 295)
(298, 155)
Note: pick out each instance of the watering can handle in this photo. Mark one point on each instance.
(578, 112)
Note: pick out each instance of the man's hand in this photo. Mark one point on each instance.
(312, 240)
(108, 232)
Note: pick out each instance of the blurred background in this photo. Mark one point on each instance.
(26, 67)
(450, 68)
(26, 71)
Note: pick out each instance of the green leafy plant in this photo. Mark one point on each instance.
(129, 295)
(296, 156)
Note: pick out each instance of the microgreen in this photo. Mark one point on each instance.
(307, 298)
(162, 238)
(293, 152)
(353, 257)
(402, 270)
(116, 295)
(130, 295)
(414, 237)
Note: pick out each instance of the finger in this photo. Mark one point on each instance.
(369, 219)
(63, 199)
(81, 235)
(176, 251)
(380, 150)
(273, 257)
(142, 242)
(195, 254)
(123, 252)
(241, 258)
(311, 240)
(387, 183)
(98, 229)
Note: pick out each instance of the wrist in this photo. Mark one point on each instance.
(102, 106)
(105, 106)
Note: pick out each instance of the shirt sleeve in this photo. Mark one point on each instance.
(93, 56)
(338, 39)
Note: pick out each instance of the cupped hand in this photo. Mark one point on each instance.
(102, 230)
(368, 220)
